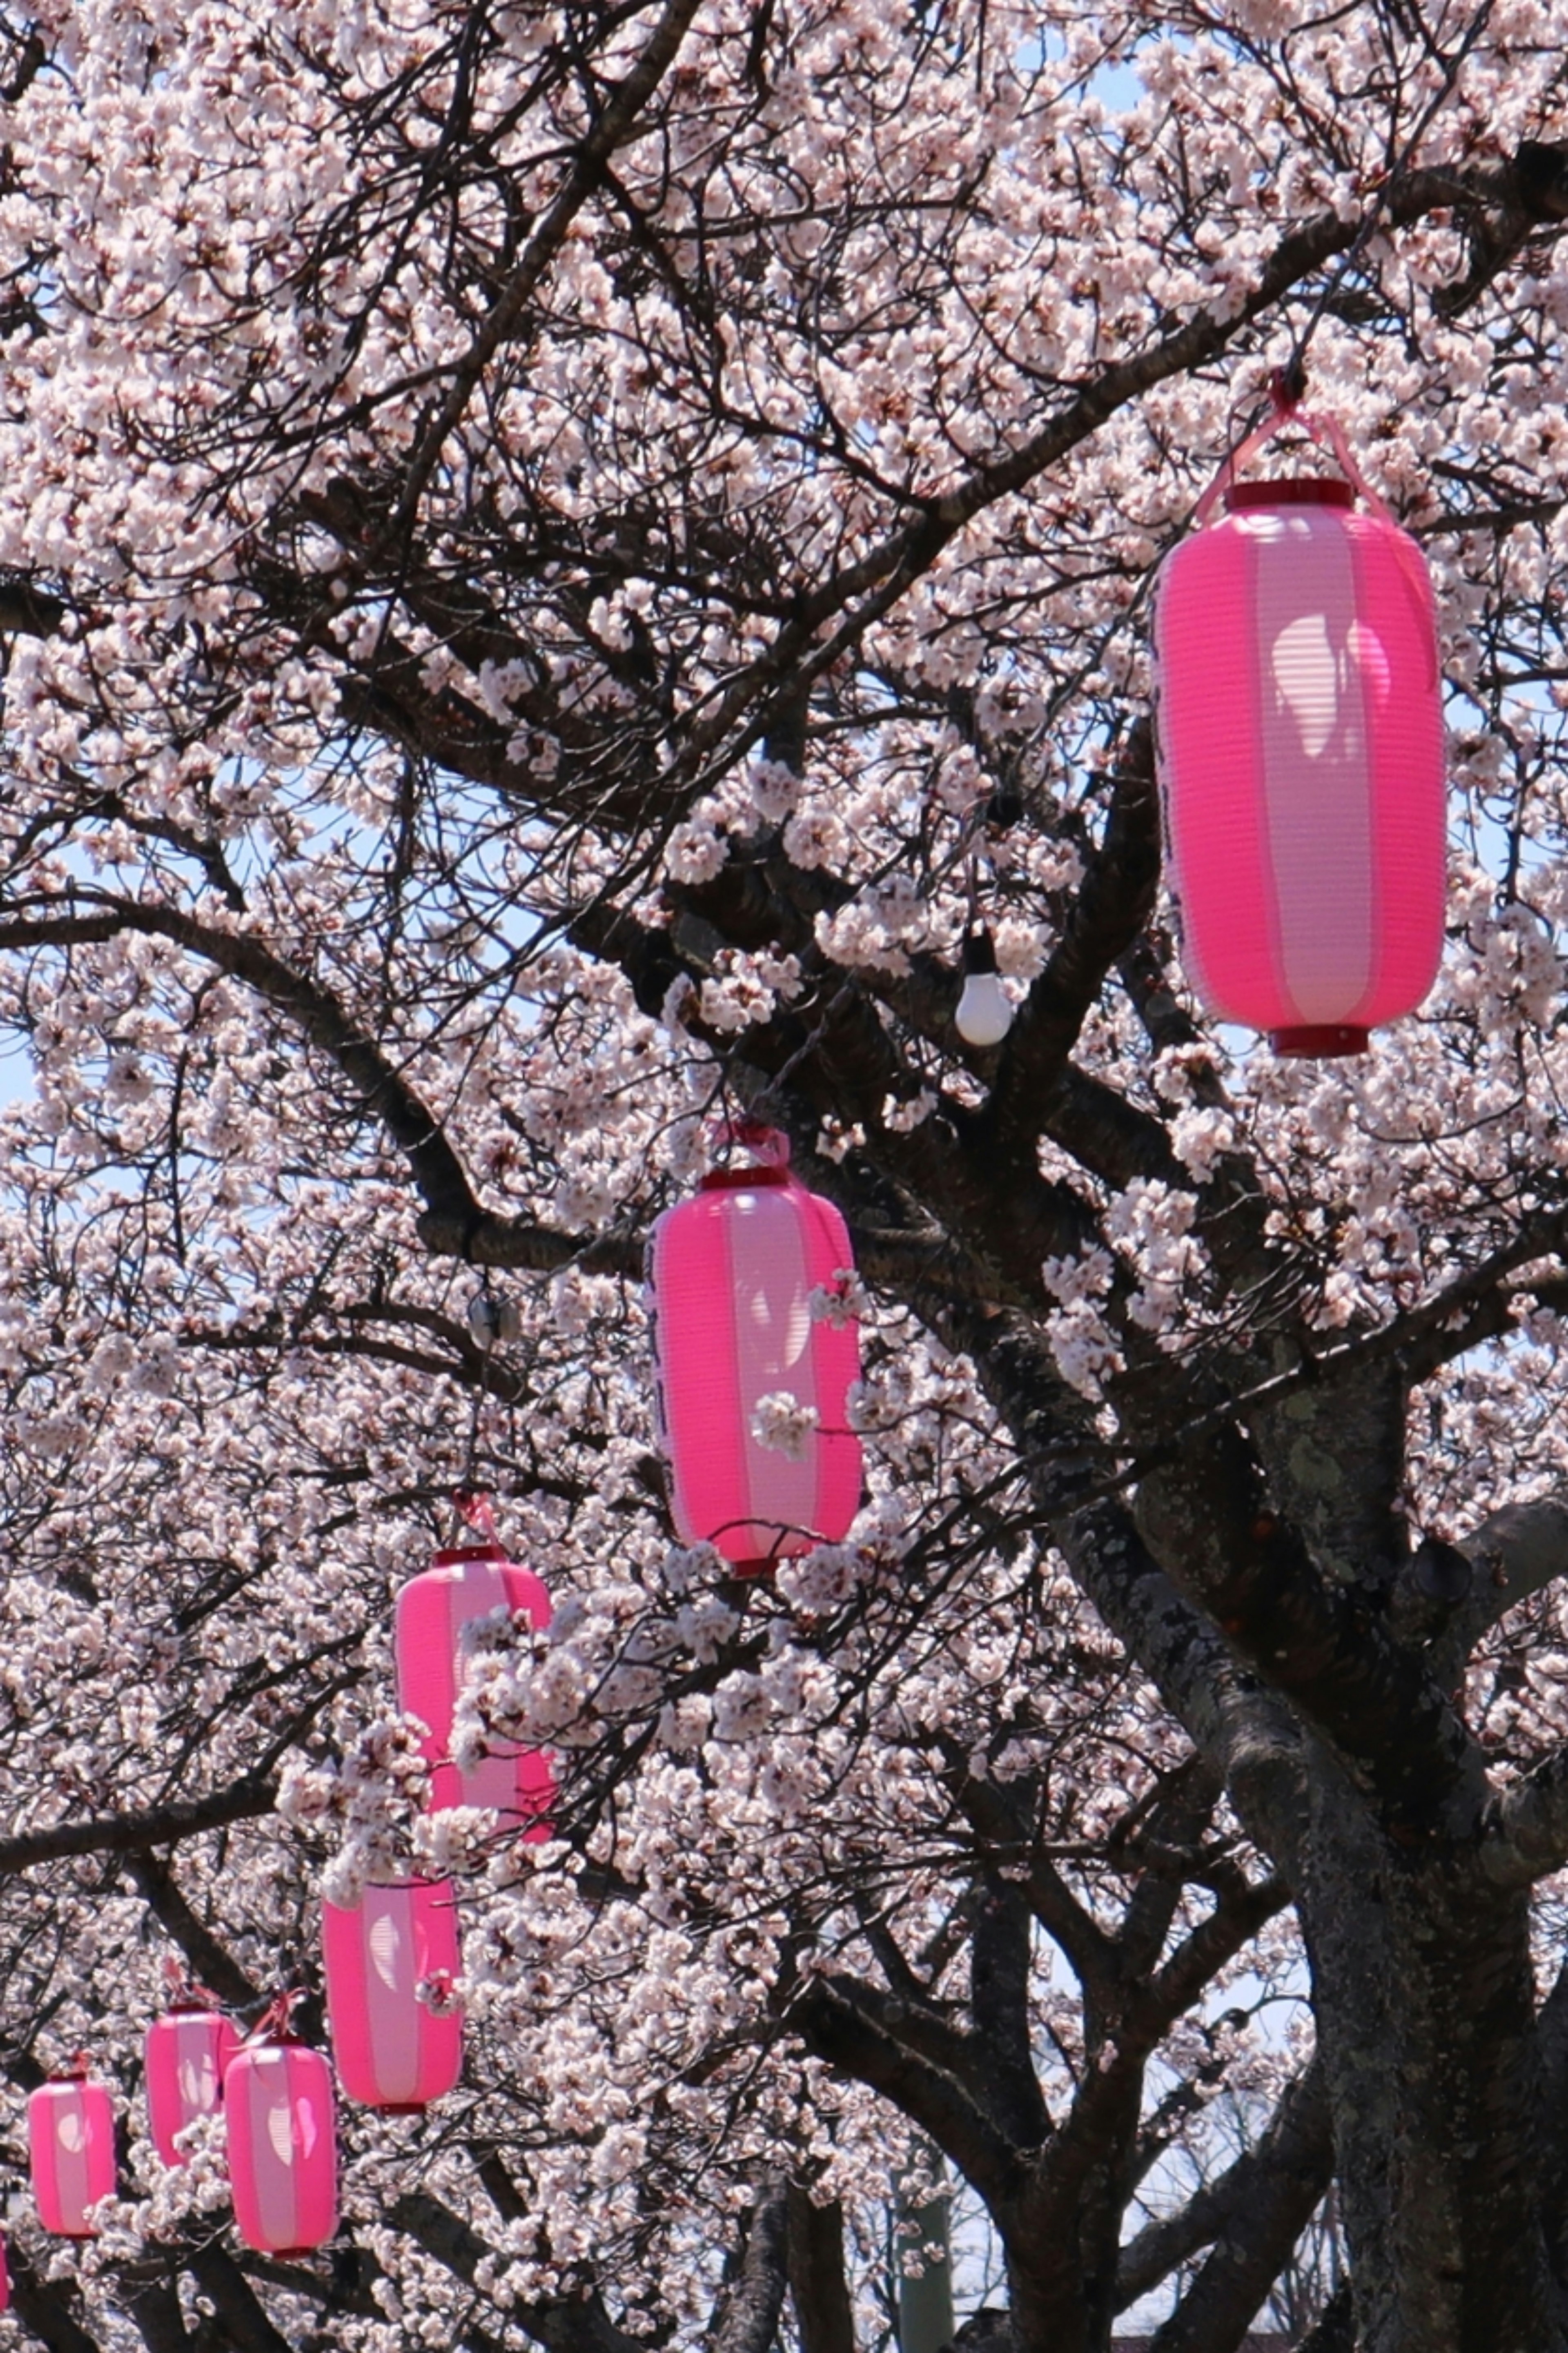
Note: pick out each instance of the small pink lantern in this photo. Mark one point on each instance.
(433, 1608)
(393, 2051)
(70, 2144)
(755, 1354)
(1302, 758)
(282, 2150)
(186, 2052)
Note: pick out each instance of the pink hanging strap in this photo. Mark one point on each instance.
(477, 1510)
(274, 2026)
(766, 1144)
(1286, 410)
(185, 1991)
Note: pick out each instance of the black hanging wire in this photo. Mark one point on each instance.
(1287, 385)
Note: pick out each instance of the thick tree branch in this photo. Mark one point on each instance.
(1209, 1519)
(1297, 2140)
(42, 2307)
(1526, 1834)
(243, 1800)
(234, 2299)
(577, 2325)
(989, 1810)
(214, 1965)
(1110, 909)
(855, 2027)
(819, 2288)
(1252, 2217)
(746, 2318)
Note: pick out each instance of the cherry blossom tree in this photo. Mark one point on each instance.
(552, 559)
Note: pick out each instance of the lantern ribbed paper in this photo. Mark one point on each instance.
(432, 1610)
(282, 2154)
(1301, 765)
(731, 1276)
(71, 2145)
(187, 2053)
(392, 2050)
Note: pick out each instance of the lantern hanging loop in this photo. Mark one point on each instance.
(186, 1992)
(476, 1510)
(276, 2022)
(768, 1147)
(1284, 410)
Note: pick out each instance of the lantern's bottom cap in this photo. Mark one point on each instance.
(1328, 1037)
(402, 2107)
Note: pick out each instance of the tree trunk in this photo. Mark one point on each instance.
(1424, 2004)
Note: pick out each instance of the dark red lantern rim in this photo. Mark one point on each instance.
(458, 1554)
(741, 1180)
(1319, 1043)
(1290, 491)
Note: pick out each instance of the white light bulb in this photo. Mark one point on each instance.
(984, 1016)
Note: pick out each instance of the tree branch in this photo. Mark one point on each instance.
(746, 2318)
(40, 2306)
(243, 1800)
(234, 2299)
(1268, 2191)
(616, 125)
(819, 2288)
(214, 1967)
(855, 2028)
(574, 2324)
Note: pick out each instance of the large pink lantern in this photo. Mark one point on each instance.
(186, 2052)
(393, 2051)
(282, 2150)
(1300, 730)
(71, 2145)
(433, 1608)
(755, 1356)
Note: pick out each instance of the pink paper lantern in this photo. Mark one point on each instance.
(392, 2050)
(1300, 730)
(742, 1281)
(187, 2053)
(432, 1610)
(282, 2149)
(4, 2280)
(71, 2145)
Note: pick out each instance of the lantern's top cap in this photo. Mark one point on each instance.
(747, 1180)
(1290, 491)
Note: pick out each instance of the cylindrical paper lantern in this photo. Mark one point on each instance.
(737, 1279)
(187, 2053)
(432, 1610)
(4, 2280)
(283, 2153)
(392, 2050)
(1301, 765)
(70, 2144)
